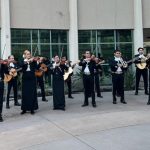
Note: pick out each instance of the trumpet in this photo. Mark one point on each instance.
(123, 64)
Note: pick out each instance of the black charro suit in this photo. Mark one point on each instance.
(12, 83)
(117, 80)
(88, 80)
(139, 72)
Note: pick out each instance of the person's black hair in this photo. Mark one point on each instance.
(117, 50)
(140, 48)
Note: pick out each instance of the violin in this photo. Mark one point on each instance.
(62, 62)
(5, 62)
(32, 59)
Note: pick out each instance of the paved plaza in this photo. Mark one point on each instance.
(106, 127)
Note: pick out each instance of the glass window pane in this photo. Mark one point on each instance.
(84, 36)
(124, 36)
(35, 50)
(20, 36)
(17, 50)
(44, 36)
(106, 51)
(126, 50)
(105, 36)
(54, 36)
(34, 36)
(59, 36)
(83, 48)
(63, 36)
(60, 50)
(93, 36)
(45, 50)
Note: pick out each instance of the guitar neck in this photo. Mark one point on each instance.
(19, 69)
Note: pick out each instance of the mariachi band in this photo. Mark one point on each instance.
(61, 69)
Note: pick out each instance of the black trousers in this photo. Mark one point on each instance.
(118, 85)
(69, 84)
(12, 83)
(1, 95)
(97, 85)
(139, 73)
(88, 82)
(40, 82)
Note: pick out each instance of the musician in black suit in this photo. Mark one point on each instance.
(40, 79)
(88, 66)
(57, 69)
(68, 81)
(98, 74)
(2, 70)
(141, 71)
(13, 82)
(118, 67)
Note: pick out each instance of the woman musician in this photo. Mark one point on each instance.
(29, 91)
(57, 70)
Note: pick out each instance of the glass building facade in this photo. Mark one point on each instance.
(106, 41)
(50, 42)
(47, 43)
(41, 42)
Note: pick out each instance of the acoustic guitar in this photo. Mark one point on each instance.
(43, 68)
(12, 73)
(143, 63)
(66, 75)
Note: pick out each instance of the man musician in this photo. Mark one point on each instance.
(68, 81)
(88, 66)
(12, 65)
(40, 79)
(118, 66)
(141, 69)
(98, 74)
(2, 71)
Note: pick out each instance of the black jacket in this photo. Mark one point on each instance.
(2, 71)
(114, 66)
(91, 65)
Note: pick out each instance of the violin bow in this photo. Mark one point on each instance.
(61, 52)
(35, 50)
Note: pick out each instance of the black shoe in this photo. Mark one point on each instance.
(62, 109)
(7, 106)
(136, 93)
(146, 93)
(70, 97)
(123, 101)
(84, 105)
(100, 96)
(44, 100)
(32, 112)
(114, 102)
(23, 112)
(1, 118)
(118, 95)
(148, 103)
(17, 104)
(94, 105)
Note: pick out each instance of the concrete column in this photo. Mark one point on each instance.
(138, 25)
(5, 29)
(73, 32)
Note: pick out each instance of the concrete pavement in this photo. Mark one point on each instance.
(107, 127)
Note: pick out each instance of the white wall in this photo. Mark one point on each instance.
(45, 14)
(105, 14)
(146, 13)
